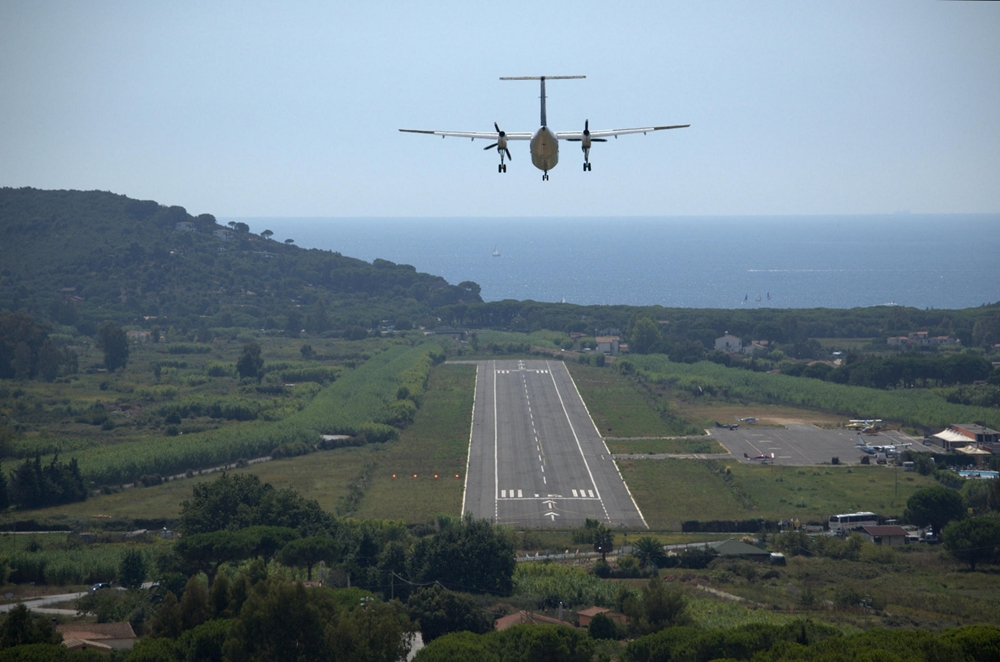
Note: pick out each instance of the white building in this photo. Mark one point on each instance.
(729, 343)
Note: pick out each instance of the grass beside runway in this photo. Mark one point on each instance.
(666, 446)
(619, 408)
(671, 491)
(436, 443)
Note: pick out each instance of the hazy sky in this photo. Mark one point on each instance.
(292, 109)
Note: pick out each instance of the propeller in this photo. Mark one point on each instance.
(586, 133)
(501, 143)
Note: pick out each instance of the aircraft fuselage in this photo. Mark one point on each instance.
(544, 149)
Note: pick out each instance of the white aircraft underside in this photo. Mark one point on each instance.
(544, 145)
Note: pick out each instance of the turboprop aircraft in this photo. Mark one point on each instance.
(544, 144)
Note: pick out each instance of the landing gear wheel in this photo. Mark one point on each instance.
(545, 177)
(505, 167)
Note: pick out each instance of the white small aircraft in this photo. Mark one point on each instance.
(763, 458)
(748, 419)
(889, 450)
(544, 142)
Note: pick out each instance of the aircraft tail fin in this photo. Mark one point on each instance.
(542, 79)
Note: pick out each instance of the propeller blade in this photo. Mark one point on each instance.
(490, 146)
(509, 157)
(574, 140)
(586, 126)
(598, 140)
(497, 127)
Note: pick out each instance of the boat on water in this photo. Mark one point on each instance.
(496, 253)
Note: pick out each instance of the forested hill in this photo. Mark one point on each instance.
(76, 258)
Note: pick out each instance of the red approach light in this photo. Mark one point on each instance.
(414, 475)
(456, 475)
(393, 475)
(435, 475)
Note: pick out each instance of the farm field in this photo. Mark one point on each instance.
(671, 491)
(323, 476)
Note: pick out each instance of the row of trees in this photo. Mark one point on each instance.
(906, 371)
(27, 351)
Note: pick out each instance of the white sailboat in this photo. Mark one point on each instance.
(496, 253)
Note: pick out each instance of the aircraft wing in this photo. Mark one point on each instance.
(481, 135)
(578, 135)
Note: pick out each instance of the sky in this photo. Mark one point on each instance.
(248, 109)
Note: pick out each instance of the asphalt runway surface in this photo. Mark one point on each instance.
(802, 445)
(535, 457)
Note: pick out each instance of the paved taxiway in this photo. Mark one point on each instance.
(535, 456)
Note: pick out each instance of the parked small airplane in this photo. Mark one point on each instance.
(544, 142)
(889, 450)
(731, 426)
(763, 458)
(860, 423)
(748, 419)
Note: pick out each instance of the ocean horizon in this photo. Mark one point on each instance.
(946, 261)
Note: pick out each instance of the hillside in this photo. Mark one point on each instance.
(76, 258)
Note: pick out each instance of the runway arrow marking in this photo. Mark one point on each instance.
(549, 503)
(552, 515)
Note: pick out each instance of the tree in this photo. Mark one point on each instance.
(195, 608)
(602, 627)
(308, 552)
(133, 569)
(289, 241)
(21, 628)
(659, 606)
(250, 364)
(604, 541)
(473, 555)
(266, 234)
(649, 552)
(440, 611)
(643, 332)
(113, 342)
(935, 506)
(975, 540)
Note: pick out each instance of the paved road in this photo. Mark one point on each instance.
(39, 604)
(536, 458)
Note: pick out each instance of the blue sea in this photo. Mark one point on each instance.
(925, 261)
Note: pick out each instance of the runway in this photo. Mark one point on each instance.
(535, 457)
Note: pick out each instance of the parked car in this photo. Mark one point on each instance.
(99, 585)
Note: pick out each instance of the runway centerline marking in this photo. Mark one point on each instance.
(579, 447)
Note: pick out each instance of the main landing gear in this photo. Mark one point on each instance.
(545, 177)
(587, 167)
(501, 145)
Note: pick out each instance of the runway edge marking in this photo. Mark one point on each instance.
(608, 450)
(572, 429)
(468, 455)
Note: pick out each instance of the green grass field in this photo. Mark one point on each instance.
(671, 491)
(665, 446)
(618, 407)
(436, 443)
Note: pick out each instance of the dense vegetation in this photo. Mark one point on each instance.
(75, 259)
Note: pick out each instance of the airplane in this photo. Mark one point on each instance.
(748, 419)
(544, 144)
(762, 458)
(865, 424)
(888, 450)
